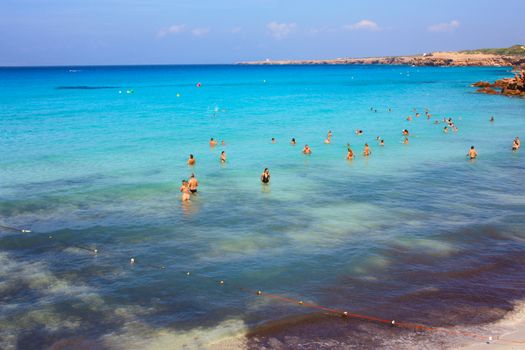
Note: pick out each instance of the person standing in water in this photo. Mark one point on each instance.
(273, 139)
(185, 191)
(193, 184)
(213, 143)
(367, 151)
(516, 144)
(265, 177)
(293, 142)
(191, 160)
(350, 153)
(472, 153)
(223, 157)
(307, 150)
(328, 137)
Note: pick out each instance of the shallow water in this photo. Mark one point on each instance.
(416, 232)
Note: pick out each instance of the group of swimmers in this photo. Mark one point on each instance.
(189, 187)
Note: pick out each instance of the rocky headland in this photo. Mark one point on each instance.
(513, 56)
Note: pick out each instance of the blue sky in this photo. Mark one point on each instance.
(83, 32)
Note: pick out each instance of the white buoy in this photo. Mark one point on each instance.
(221, 282)
(187, 273)
(490, 338)
(393, 322)
(301, 302)
(345, 313)
(132, 260)
(26, 231)
(259, 292)
(95, 251)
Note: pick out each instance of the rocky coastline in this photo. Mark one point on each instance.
(452, 59)
(508, 86)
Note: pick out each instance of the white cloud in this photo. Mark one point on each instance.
(281, 30)
(444, 27)
(236, 30)
(364, 24)
(174, 29)
(200, 31)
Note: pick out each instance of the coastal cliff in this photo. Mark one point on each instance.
(514, 56)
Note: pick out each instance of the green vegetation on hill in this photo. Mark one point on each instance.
(516, 50)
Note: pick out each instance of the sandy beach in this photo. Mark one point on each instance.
(510, 330)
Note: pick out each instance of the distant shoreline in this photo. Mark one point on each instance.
(433, 59)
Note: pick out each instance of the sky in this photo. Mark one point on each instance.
(113, 32)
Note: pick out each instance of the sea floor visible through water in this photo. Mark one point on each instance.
(93, 158)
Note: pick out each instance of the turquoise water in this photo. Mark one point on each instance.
(412, 231)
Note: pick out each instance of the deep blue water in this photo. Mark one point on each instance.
(414, 232)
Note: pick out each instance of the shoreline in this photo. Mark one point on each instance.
(512, 330)
(508, 333)
(433, 59)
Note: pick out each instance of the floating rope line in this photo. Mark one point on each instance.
(394, 323)
(338, 312)
(14, 229)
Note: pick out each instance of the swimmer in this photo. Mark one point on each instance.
(409, 118)
(378, 138)
(405, 132)
(213, 143)
(382, 143)
(222, 143)
(350, 153)
(491, 119)
(390, 109)
(367, 151)
(429, 116)
(472, 153)
(265, 177)
(436, 121)
(193, 184)
(358, 132)
(293, 142)
(223, 157)
(191, 160)
(445, 129)
(327, 141)
(273, 139)
(405, 141)
(516, 144)
(329, 136)
(307, 150)
(185, 191)
(417, 115)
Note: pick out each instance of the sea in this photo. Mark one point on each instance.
(92, 159)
